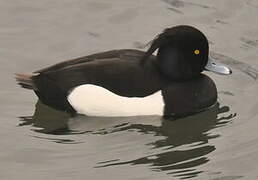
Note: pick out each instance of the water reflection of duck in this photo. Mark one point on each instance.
(47, 120)
(183, 145)
(186, 142)
(132, 82)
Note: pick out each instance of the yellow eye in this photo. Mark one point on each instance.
(196, 51)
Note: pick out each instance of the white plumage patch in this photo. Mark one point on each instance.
(94, 100)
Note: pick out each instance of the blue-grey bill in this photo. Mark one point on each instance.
(217, 68)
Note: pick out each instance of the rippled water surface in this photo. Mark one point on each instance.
(41, 143)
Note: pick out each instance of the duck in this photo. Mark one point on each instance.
(131, 82)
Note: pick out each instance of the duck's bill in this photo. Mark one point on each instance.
(217, 68)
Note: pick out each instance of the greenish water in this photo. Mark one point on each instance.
(38, 142)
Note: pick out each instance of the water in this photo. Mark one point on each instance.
(40, 143)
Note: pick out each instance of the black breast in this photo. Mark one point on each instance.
(184, 98)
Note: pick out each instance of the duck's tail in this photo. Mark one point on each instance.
(26, 80)
(51, 94)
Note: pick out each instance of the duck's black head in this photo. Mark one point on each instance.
(183, 52)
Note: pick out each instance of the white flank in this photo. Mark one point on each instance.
(94, 100)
